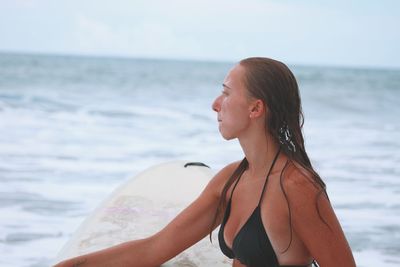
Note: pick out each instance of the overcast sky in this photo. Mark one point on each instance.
(340, 32)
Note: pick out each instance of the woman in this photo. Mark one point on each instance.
(272, 206)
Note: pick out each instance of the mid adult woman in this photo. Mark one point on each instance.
(272, 206)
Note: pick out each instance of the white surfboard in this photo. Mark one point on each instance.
(141, 207)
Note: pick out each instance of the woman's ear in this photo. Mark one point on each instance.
(257, 108)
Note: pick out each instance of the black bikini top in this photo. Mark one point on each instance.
(251, 246)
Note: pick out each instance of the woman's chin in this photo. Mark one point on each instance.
(226, 136)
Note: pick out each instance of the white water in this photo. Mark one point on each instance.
(73, 129)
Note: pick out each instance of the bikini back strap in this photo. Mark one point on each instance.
(269, 172)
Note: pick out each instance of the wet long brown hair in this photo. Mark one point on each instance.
(272, 82)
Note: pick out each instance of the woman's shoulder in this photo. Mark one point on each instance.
(228, 169)
(305, 194)
(221, 177)
(223, 174)
(300, 182)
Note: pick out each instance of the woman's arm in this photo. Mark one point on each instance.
(132, 253)
(324, 240)
(189, 227)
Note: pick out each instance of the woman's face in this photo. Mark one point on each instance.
(233, 105)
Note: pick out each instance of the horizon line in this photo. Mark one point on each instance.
(199, 60)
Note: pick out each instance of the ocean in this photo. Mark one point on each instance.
(74, 128)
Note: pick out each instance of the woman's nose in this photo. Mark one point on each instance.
(216, 105)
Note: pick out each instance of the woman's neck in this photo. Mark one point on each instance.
(260, 151)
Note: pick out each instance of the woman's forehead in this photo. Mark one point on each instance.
(235, 77)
